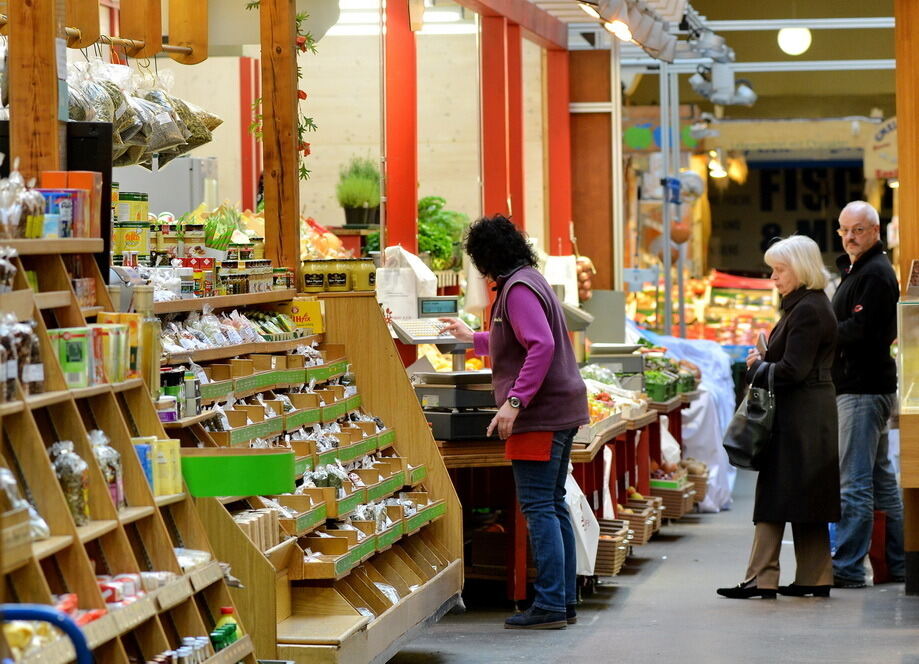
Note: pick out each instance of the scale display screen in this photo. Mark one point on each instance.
(438, 306)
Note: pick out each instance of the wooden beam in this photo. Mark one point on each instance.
(279, 132)
(558, 149)
(143, 20)
(36, 134)
(515, 124)
(495, 148)
(538, 25)
(906, 38)
(84, 16)
(188, 27)
(401, 113)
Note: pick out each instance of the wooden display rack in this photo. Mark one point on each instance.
(331, 611)
(139, 537)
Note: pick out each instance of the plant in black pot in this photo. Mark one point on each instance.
(358, 192)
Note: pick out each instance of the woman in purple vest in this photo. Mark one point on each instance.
(543, 402)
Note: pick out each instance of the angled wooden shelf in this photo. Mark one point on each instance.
(225, 352)
(131, 514)
(48, 547)
(95, 529)
(50, 246)
(222, 301)
(53, 299)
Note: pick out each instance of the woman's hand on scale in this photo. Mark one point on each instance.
(458, 329)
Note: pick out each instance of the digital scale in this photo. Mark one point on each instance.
(458, 404)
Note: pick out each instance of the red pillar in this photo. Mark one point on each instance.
(558, 138)
(495, 140)
(401, 113)
(515, 123)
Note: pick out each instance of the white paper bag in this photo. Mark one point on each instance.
(584, 523)
(397, 292)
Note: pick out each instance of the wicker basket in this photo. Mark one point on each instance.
(677, 501)
(700, 482)
(611, 553)
(654, 504)
(641, 521)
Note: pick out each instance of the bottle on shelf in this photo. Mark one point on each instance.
(227, 617)
(151, 339)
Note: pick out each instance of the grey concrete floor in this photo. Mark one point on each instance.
(663, 608)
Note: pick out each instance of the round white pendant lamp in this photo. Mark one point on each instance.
(794, 41)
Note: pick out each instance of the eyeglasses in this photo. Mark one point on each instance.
(855, 230)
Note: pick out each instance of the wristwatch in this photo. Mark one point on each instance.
(515, 402)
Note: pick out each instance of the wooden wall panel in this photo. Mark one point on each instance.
(591, 169)
(907, 39)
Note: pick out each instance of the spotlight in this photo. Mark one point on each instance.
(744, 95)
(619, 29)
(794, 41)
(614, 10)
(590, 9)
(700, 84)
(722, 84)
(715, 167)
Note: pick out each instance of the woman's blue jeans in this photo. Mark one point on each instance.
(541, 494)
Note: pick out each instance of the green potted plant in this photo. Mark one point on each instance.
(358, 192)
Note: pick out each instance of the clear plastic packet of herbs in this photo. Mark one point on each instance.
(117, 80)
(200, 124)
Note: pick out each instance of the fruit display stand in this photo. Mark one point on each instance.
(329, 608)
(138, 537)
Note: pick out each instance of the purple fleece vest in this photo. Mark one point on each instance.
(561, 402)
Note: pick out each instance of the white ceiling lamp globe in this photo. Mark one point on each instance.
(794, 41)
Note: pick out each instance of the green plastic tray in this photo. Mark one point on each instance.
(238, 472)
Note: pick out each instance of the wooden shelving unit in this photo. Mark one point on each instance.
(222, 301)
(138, 537)
(309, 612)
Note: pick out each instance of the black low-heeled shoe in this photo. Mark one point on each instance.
(747, 590)
(794, 590)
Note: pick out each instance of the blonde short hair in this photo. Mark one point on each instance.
(803, 257)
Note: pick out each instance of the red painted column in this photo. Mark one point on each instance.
(401, 114)
(558, 138)
(250, 148)
(495, 143)
(515, 123)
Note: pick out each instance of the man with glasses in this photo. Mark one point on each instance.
(865, 375)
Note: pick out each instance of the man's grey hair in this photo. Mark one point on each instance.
(864, 211)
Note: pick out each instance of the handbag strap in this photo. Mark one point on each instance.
(770, 376)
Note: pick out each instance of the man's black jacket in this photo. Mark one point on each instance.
(866, 307)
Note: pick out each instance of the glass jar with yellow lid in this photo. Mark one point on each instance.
(338, 276)
(312, 276)
(363, 274)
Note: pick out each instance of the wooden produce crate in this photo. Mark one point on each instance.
(700, 483)
(335, 556)
(611, 553)
(678, 499)
(641, 521)
(653, 504)
(16, 539)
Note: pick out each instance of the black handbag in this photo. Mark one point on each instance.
(750, 429)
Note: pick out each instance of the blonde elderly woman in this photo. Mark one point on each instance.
(799, 471)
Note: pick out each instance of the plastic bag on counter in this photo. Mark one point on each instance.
(71, 471)
(109, 461)
(38, 527)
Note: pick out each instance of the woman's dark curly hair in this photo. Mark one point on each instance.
(496, 246)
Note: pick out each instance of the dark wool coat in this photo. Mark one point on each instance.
(799, 472)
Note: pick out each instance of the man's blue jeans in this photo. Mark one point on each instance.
(868, 483)
(541, 493)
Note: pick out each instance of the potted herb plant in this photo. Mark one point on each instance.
(358, 192)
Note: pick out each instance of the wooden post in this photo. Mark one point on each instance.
(36, 134)
(188, 27)
(515, 123)
(279, 132)
(558, 151)
(907, 40)
(83, 15)
(143, 20)
(495, 145)
(401, 119)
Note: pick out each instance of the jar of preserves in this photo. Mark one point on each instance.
(312, 276)
(338, 276)
(363, 274)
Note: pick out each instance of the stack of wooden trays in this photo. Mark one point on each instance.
(612, 552)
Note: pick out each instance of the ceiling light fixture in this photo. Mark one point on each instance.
(620, 29)
(794, 41)
(590, 9)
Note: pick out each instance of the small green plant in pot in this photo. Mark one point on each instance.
(358, 192)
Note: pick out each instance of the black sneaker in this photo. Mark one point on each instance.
(536, 618)
(571, 616)
(839, 582)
